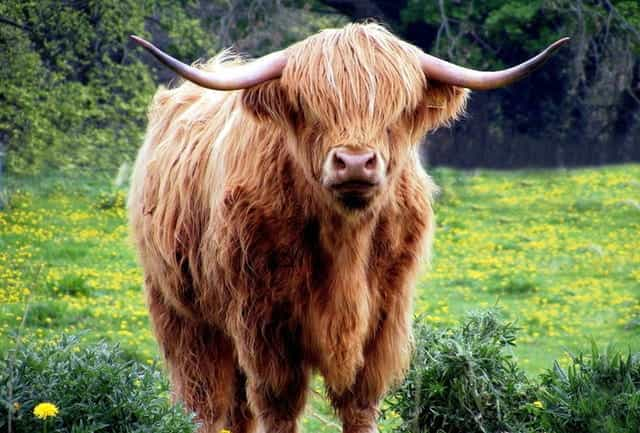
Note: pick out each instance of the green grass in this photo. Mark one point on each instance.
(558, 251)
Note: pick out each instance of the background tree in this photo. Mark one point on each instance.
(74, 89)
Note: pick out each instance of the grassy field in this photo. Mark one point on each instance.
(558, 251)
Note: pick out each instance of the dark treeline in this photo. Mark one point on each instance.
(74, 91)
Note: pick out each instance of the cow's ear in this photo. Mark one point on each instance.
(441, 104)
(268, 101)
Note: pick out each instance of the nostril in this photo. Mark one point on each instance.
(338, 163)
(371, 162)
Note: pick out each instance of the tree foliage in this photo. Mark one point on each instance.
(583, 107)
(73, 93)
(74, 89)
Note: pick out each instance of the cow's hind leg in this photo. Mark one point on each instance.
(203, 369)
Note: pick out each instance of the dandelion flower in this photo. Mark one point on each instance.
(45, 410)
(538, 404)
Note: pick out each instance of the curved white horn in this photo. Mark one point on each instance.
(242, 76)
(449, 73)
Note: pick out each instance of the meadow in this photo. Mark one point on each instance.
(558, 251)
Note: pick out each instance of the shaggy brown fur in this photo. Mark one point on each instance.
(255, 275)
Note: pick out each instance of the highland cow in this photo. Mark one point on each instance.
(281, 213)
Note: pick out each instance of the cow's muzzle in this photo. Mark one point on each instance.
(353, 176)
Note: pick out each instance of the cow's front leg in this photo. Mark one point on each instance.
(386, 357)
(357, 411)
(279, 400)
(271, 356)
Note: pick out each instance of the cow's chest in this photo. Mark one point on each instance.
(313, 273)
(330, 296)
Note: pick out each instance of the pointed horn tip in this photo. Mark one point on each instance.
(559, 43)
(138, 40)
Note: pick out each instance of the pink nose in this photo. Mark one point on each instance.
(359, 166)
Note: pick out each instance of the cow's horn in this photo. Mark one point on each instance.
(239, 77)
(448, 73)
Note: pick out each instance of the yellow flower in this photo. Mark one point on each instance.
(538, 404)
(45, 410)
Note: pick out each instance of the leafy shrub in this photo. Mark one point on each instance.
(464, 380)
(116, 199)
(599, 393)
(516, 284)
(56, 312)
(95, 389)
(70, 284)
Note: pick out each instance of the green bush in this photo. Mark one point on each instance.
(599, 393)
(464, 380)
(461, 379)
(95, 388)
(116, 199)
